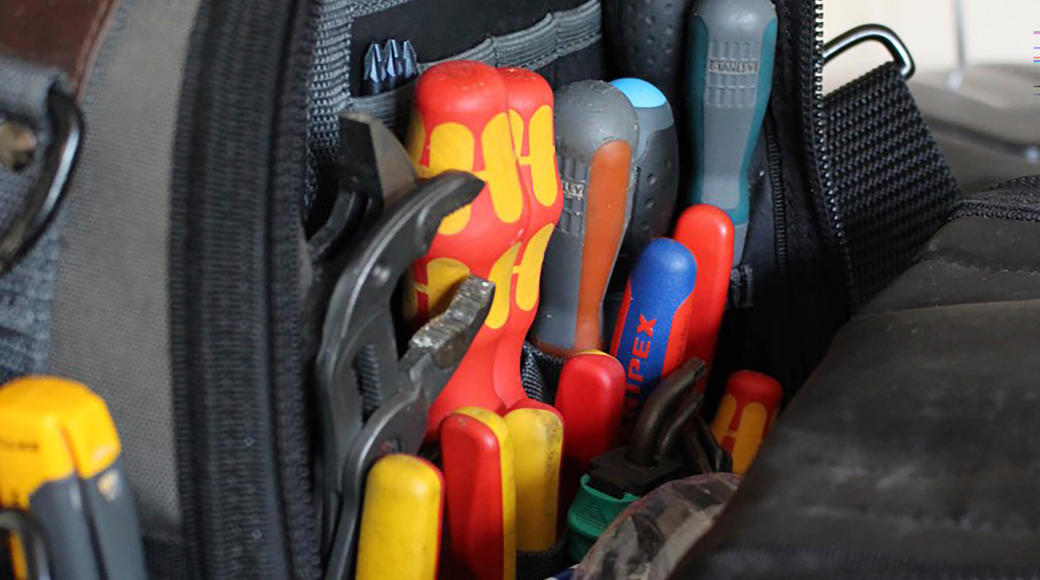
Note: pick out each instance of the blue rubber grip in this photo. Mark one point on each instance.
(731, 71)
(650, 336)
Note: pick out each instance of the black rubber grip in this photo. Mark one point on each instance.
(645, 40)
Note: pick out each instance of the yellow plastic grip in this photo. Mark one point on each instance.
(401, 520)
(49, 428)
(538, 444)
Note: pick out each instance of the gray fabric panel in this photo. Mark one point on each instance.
(24, 88)
(26, 291)
(579, 27)
(969, 260)
(25, 314)
(557, 35)
(110, 326)
(910, 453)
(483, 52)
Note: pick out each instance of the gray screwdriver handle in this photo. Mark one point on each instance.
(732, 46)
(657, 173)
(596, 136)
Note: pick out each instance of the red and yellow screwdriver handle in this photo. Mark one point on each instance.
(531, 123)
(746, 413)
(496, 124)
(477, 455)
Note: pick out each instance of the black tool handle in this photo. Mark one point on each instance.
(645, 40)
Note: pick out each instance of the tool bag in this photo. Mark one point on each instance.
(169, 273)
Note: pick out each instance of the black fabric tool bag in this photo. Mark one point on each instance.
(172, 278)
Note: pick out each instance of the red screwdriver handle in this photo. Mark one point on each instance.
(707, 232)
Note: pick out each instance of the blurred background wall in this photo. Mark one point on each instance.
(995, 31)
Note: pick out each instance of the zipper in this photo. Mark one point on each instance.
(776, 181)
(819, 156)
(239, 401)
(290, 402)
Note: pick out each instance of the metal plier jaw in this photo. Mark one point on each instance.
(370, 401)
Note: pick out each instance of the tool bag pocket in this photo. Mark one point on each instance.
(563, 45)
(561, 41)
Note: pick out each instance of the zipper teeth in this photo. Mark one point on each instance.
(818, 145)
(779, 207)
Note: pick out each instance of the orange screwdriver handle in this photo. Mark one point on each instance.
(745, 415)
(596, 135)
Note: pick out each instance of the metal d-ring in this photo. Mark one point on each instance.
(41, 205)
(883, 34)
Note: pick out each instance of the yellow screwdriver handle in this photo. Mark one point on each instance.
(538, 444)
(59, 461)
(401, 520)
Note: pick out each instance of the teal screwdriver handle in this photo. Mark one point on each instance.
(732, 44)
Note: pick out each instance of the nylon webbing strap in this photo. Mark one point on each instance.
(555, 36)
(892, 187)
(27, 290)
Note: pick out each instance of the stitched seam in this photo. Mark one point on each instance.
(872, 474)
(87, 48)
(965, 524)
(580, 43)
(976, 266)
(873, 314)
(992, 211)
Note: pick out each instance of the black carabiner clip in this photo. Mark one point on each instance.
(50, 188)
(883, 34)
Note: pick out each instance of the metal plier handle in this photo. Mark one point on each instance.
(371, 402)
